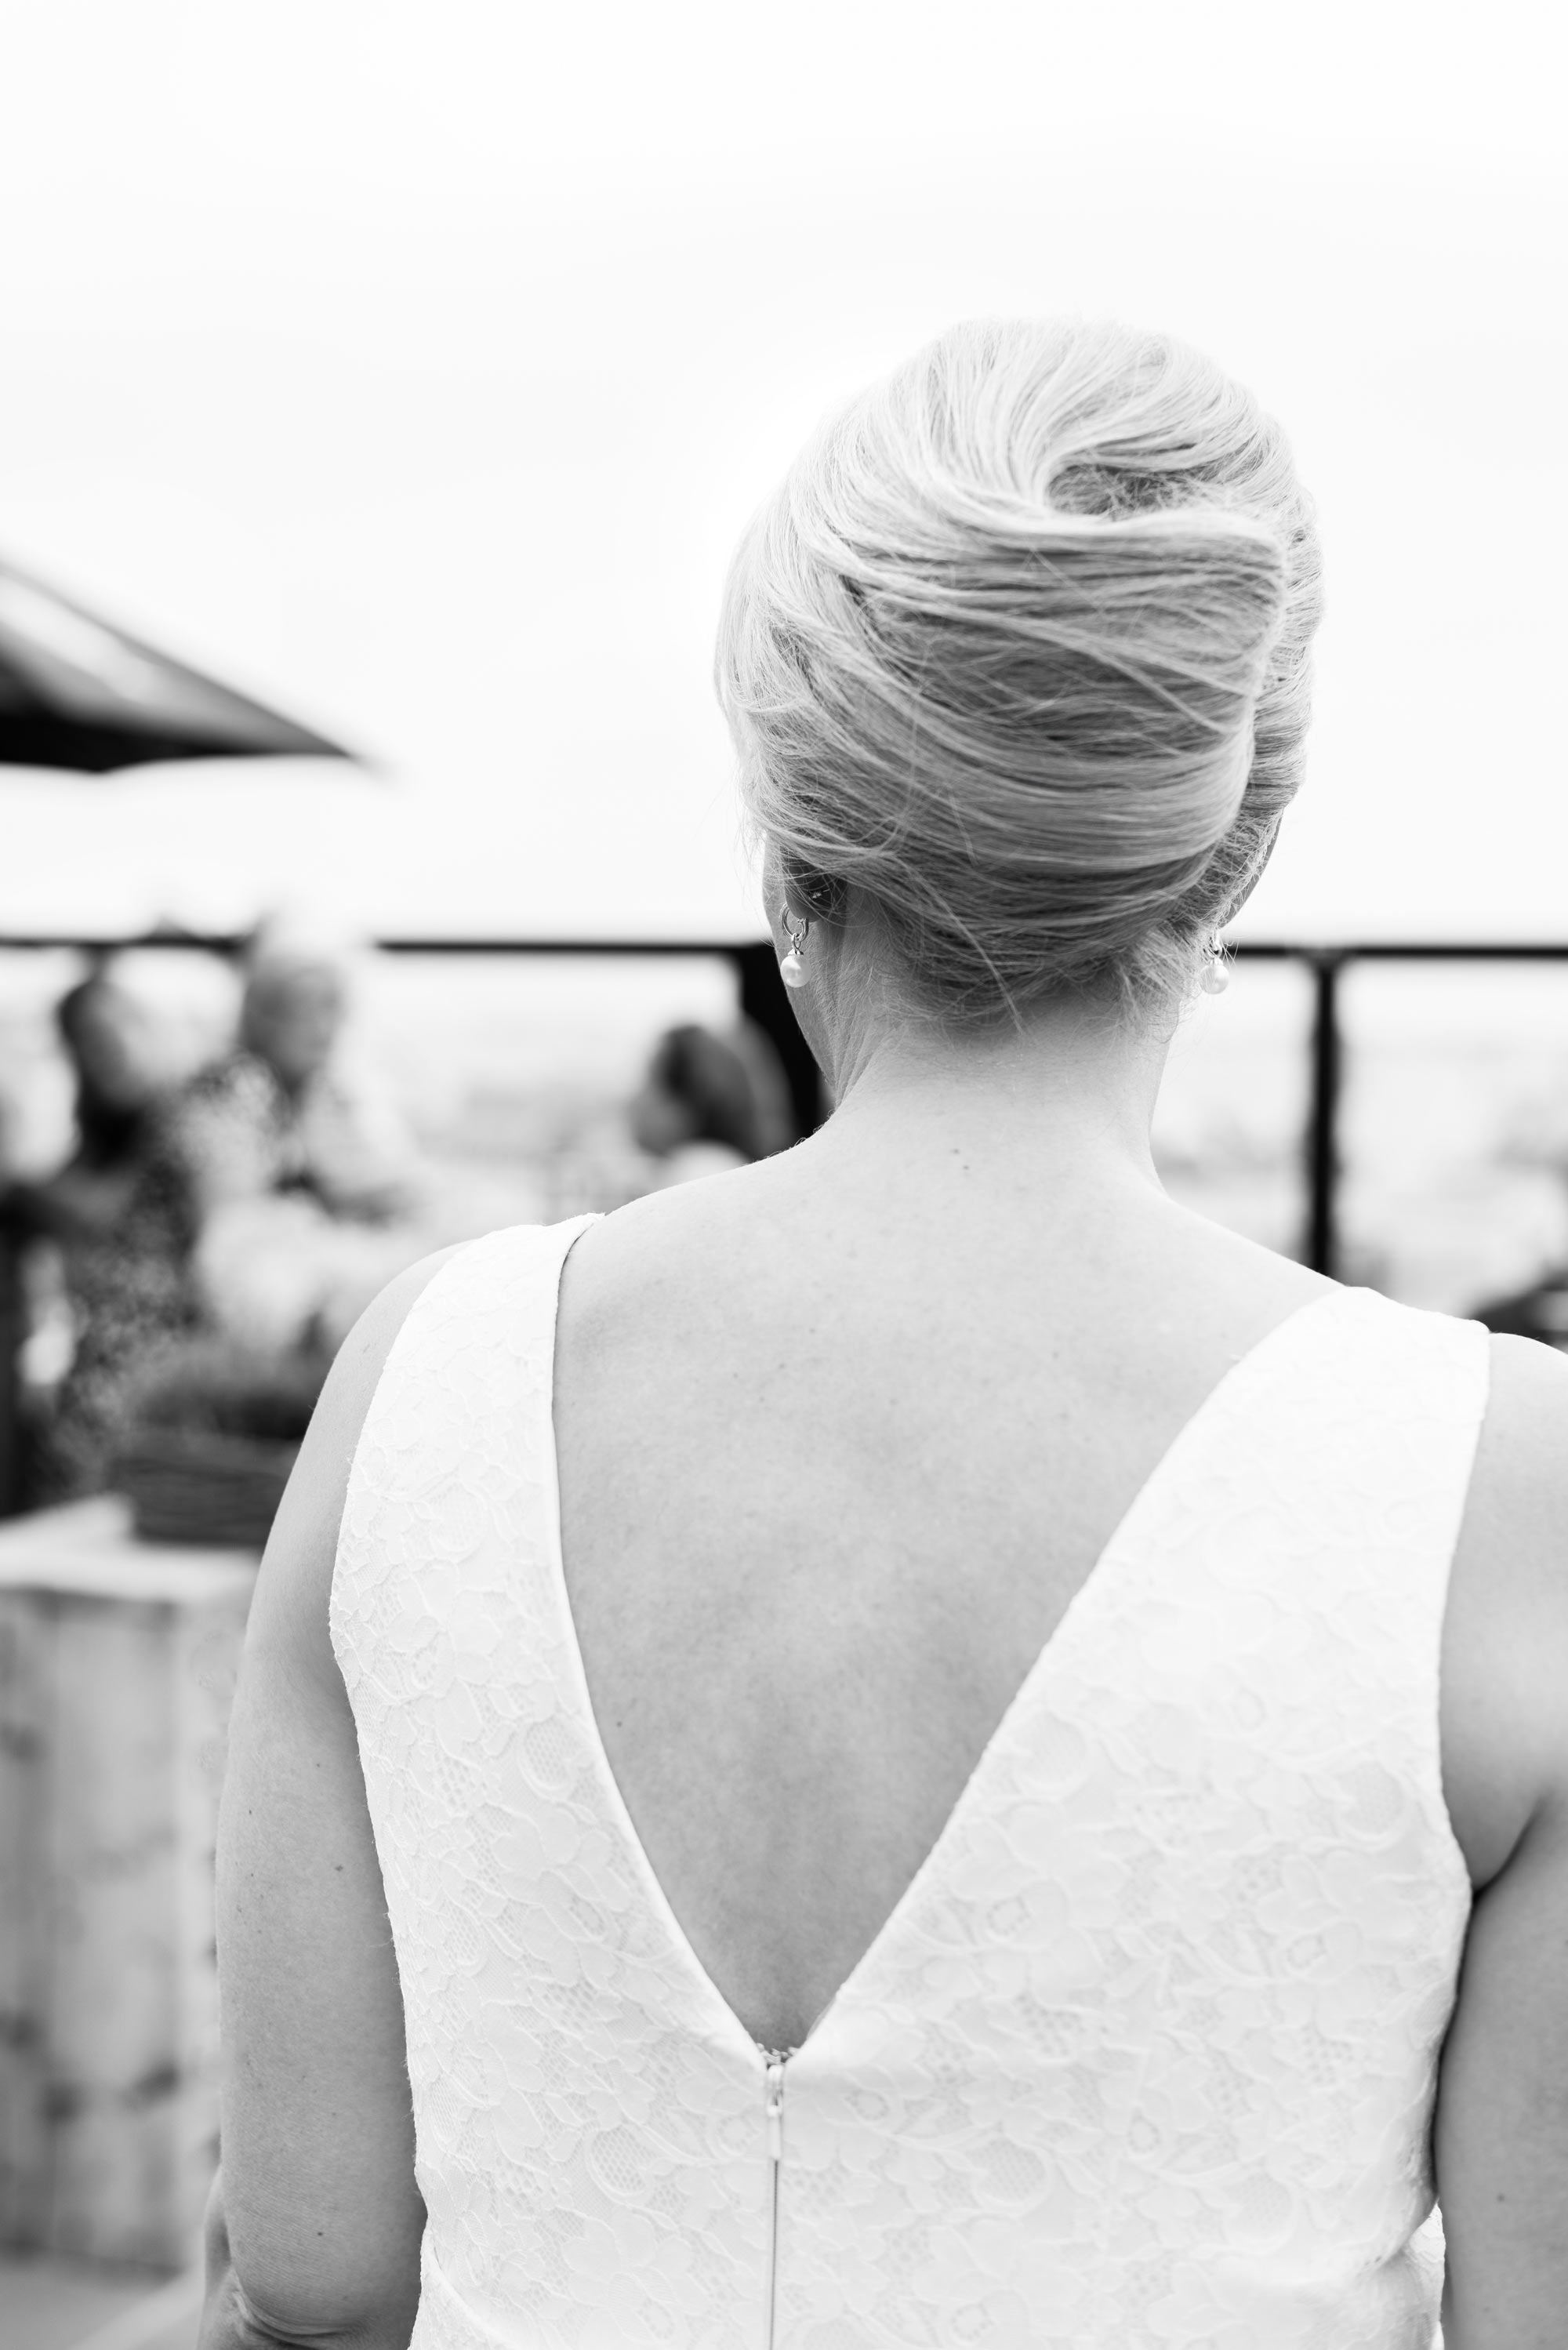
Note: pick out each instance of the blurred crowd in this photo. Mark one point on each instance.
(260, 1201)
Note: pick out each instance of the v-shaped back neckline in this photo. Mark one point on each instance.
(1006, 1727)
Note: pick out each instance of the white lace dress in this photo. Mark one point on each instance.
(1144, 2058)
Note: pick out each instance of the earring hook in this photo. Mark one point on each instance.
(792, 966)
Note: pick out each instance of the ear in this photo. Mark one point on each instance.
(813, 897)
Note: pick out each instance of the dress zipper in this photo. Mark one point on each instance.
(776, 2061)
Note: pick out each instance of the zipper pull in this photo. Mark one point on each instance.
(775, 2108)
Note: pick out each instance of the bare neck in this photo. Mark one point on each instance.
(1061, 1102)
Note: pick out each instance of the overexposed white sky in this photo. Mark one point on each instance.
(417, 366)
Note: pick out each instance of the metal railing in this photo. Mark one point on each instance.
(763, 999)
(1327, 966)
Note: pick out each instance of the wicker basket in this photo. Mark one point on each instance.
(194, 1485)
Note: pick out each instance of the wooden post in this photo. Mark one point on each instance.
(122, 1663)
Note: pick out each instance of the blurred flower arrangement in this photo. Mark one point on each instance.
(213, 1431)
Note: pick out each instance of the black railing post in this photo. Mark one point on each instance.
(765, 999)
(11, 1336)
(1322, 1117)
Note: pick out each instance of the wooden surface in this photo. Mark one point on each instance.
(116, 1670)
(48, 2304)
(87, 1548)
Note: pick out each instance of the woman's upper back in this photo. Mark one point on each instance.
(829, 1481)
(795, 1745)
(835, 1461)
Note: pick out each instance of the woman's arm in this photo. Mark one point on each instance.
(313, 2230)
(1502, 2139)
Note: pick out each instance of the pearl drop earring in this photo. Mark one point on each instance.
(792, 966)
(1217, 970)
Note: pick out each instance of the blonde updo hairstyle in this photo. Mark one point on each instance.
(1019, 652)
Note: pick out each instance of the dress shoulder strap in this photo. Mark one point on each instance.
(1314, 1523)
(454, 1462)
(1385, 1402)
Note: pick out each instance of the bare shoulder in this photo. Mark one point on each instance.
(314, 2228)
(1502, 2129)
(1505, 1641)
(297, 1572)
(681, 1247)
(362, 1357)
(1523, 1457)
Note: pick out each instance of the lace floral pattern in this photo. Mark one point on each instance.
(1143, 2059)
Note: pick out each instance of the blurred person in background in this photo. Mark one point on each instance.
(262, 1199)
(110, 1039)
(709, 1102)
(279, 1176)
(278, 1114)
(100, 1252)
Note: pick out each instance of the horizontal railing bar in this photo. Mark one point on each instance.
(1243, 950)
(1402, 951)
(234, 942)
